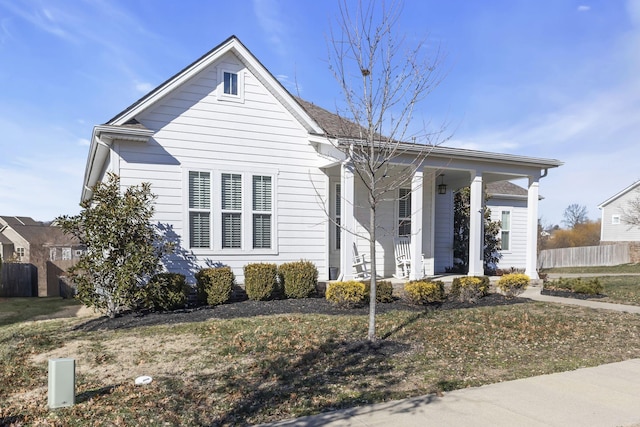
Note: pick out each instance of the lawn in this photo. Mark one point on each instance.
(250, 370)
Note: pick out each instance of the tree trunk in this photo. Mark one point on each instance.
(372, 295)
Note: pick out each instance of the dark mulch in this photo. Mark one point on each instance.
(250, 308)
(569, 294)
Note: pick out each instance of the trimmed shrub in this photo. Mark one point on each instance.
(425, 292)
(260, 281)
(384, 290)
(346, 294)
(469, 289)
(166, 291)
(298, 279)
(215, 285)
(578, 285)
(513, 284)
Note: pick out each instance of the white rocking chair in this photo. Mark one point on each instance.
(402, 252)
(360, 265)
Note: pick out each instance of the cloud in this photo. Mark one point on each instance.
(269, 18)
(144, 87)
(583, 8)
(83, 142)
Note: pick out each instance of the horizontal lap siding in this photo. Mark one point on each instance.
(196, 130)
(619, 232)
(516, 257)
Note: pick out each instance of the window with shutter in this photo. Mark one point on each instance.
(338, 215)
(505, 234)
(231, 210)
(404, 212)
(262, 214)
(199, 209)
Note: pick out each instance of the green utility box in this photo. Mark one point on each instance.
(62, 383)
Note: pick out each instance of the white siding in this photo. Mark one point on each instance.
(516, 256)
(195, 129)
(443, 232)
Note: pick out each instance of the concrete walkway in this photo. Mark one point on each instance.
(607, 395)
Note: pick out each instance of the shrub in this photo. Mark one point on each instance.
(384, 290)
(298, 279)
(579, 285)
(260, 281)
(513, 284)
(346, 294)
(425, 292)
(165, 291)
(215, 285)
(469, 289)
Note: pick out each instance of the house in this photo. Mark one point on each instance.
(245, 172)
(508, 204)
(613, 227)
(45, 247)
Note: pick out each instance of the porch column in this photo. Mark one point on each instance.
(476, 225)
(417, 195)
(348, 221)
(531, 268)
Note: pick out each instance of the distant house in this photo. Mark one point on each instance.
(613, 227)
(46, 247)
(245, 172)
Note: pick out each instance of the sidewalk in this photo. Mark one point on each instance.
(607, 395)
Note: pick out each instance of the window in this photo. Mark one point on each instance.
(66, 253)
(231, 210)
(52, 254)
(199, 209)
(338, 214)
(404, 212)
(230, 83)
(78, 253)
(20, 252)
(261, 212)
(505, 234)
(615, 219)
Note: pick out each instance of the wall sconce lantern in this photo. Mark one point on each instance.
(442, 187)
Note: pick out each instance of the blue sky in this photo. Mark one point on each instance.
(547, 78)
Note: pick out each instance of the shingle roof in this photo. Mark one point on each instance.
(505, 188)
(332, 124)
(36, 232)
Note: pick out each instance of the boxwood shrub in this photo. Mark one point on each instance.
(470, 289)
(513, 284)
(579, 285)
(346, 294)
(260, 281)
(384, 290)
(298, 279)
(215, 285)
(166, 291)
(425, 292)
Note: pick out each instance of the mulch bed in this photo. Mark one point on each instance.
(250, 308)
(569, 294)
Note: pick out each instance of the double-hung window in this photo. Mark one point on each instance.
(231, 210)
(199, 209)
(262, 201)
(505, 233)
(404, 212)
(230, 82)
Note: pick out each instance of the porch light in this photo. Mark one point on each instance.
(442, 187)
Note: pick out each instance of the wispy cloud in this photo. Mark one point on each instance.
(272, 23)
(144, 87)
(5, 34)
(584, 8)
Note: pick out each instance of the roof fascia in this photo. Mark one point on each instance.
(618, 194)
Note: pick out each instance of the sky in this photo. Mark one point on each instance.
(555, 79)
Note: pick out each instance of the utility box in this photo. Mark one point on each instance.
(62, 383)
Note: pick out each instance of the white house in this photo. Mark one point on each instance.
(613, 228)
(245, 172)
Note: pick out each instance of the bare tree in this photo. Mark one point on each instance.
(631, 212)
(382, 81)
(574, 215)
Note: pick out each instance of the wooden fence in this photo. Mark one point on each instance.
(585, 256)
(18, 280)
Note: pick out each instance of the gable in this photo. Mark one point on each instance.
(620, 194)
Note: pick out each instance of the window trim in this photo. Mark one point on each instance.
(239, 97)
(337, 215)
(215, 216)
(407, 219)
(508, 230)
(615, 219)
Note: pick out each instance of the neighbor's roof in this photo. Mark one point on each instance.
(36, 232)
(619, 194)
(505, 188)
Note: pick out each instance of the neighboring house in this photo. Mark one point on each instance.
(245, 172)
(46, 247)
(613, 227)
